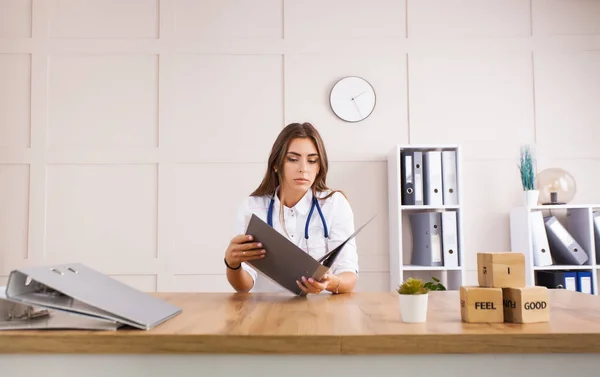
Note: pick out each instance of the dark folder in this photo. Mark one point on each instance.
(285, 263)
(408, 177)
(426, 230)
(557, 279)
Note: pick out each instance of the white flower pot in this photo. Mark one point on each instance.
(531, 198)
(413, 308)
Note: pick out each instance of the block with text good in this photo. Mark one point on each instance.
(526, 305)
(501, 269)
(481, 305)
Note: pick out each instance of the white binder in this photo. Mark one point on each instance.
(596, 216)
(449, 181)
(432, 162)
(450, 239)
(418, 171)
(585, 282)
(571, 283)
(18, 316)
(76, 289)
(539, 240)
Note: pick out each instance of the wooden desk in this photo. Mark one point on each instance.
(274, 328)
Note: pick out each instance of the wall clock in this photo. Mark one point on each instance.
(352, 99)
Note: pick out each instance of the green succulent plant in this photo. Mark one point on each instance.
(414, 286)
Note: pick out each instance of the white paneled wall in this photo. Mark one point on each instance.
(468, 18)
(473, 91)
(130, 130)
(560, 18)
(227, 18)
(14, 196)
(15, 19)
(102, 100)
(224, 107)
(308, 81)
(348, 20)
(15, 106)
(567, 97)
(103, 19)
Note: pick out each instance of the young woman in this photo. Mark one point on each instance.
(295, 183)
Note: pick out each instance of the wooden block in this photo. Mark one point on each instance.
(501, 269)
(481, 305)
(526, 305)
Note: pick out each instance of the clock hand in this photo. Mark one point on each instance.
(357, 109)
(359, 95)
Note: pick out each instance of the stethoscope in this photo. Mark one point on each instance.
(315, 203)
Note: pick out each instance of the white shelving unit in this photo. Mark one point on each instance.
(400, 237)
(578, 221)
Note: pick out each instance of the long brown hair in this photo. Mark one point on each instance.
(274, 174)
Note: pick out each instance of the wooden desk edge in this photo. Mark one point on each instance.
(144, 343)
(472, 344)
(300, 345)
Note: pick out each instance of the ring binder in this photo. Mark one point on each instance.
(18, 316)
(29, 313)
(79, 290)
(11, 311)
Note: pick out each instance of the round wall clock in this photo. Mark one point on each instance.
(352, 99)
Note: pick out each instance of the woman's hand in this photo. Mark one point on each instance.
(310, 285)
(242, 249)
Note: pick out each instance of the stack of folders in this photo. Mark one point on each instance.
(429, 177)
(553, 244)
(578, 281)
(435, 238)
(73, 296)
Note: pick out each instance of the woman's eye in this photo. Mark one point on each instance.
(292, 159)
(313, 161)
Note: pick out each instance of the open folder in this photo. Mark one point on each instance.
(74, 294)
(285, 263)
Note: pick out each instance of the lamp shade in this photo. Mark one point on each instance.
(556, 186)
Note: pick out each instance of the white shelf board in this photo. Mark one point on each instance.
(564, 267)
(563, 206)
(409, 267)
(428, 146)
(425, 207)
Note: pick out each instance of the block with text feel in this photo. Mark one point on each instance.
(501, 269)
(481, 305)
(526, 305)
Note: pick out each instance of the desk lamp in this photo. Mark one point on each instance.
(556, 186)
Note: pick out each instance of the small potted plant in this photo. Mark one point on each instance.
(414, 297)
(528, 176)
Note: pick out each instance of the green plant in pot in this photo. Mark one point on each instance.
(527, 170)
(414, 296)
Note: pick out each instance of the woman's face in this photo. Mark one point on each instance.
(301, 165)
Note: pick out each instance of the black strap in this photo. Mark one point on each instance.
(231, 268)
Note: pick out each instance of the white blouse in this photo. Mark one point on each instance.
(340, 224)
